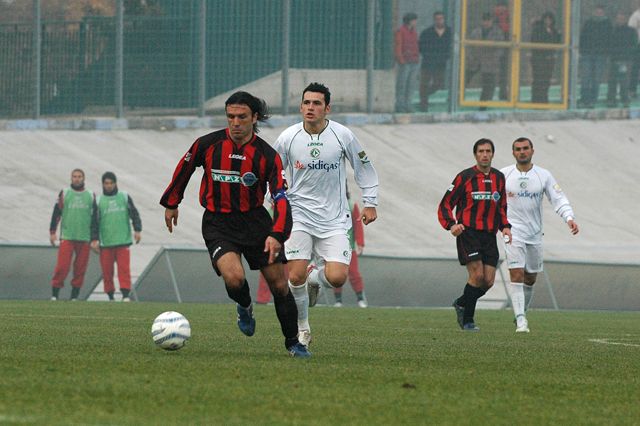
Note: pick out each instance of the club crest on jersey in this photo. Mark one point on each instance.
(248, 179)
(363, 157)
(315, 153)
(523, 184)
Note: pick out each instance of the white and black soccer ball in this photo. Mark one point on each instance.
(170, 330)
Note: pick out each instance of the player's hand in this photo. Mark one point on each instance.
(272, 246)
(457, 229)
(137, 236)
(171, 218)
(95, 246)
(506, 234)
(573, 227)
(369, 215)
(52, 239)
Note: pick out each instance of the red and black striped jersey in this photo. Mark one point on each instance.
(235, 178)
(479, 200)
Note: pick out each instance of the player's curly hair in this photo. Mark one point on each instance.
(256, 105)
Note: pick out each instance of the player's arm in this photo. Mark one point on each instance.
(504, 226)
(55, 217)
(560, 203)
(365, 176)
(174, 193)
(282, 220)
(95, 225)
(445, 209)
(134, 215)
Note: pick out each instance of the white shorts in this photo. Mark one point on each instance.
(523, 255)
(302, 245)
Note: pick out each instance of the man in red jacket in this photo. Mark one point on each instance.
(407, 56)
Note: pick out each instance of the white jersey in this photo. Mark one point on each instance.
(524, 201)
(316, 165)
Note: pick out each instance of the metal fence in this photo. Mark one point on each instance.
(184, 56)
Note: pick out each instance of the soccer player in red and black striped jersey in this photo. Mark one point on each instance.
(478, 196)
(238, 167)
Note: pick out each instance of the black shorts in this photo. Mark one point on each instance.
(242, 233)
(477, 245)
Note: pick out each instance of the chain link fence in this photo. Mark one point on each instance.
(182, 57)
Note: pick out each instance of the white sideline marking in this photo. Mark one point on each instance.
(607, 342)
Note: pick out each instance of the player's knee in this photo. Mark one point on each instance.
(337, 279)
(279, 288)
(297, 278)
(233, 280)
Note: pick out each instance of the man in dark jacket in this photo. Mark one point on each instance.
(624, 41)
(435, 48)
(594, 44)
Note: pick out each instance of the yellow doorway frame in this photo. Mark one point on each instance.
(515, 46)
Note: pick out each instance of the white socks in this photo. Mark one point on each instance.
(518, 299)
(317, 276)
(301, 297)
(528, 295)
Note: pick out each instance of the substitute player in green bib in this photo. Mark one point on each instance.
(75, 211)
(116, 214)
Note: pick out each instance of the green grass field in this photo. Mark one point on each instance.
(95, 363)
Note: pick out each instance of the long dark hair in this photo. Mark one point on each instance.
(256, 105)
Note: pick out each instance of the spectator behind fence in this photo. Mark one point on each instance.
(634, 22)
(75, 210)
(594, 45)
(112, 232)
(356, 238)
(407, 56)
(624, 42)
(543, 60)
(485, 60)
(435, 48)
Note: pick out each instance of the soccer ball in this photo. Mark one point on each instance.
(170, 330)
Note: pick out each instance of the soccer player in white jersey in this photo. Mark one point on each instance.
(526, 184)
(314, 153)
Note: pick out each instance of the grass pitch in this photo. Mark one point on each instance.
(95, 363)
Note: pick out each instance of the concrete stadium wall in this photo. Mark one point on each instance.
(594, 161)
